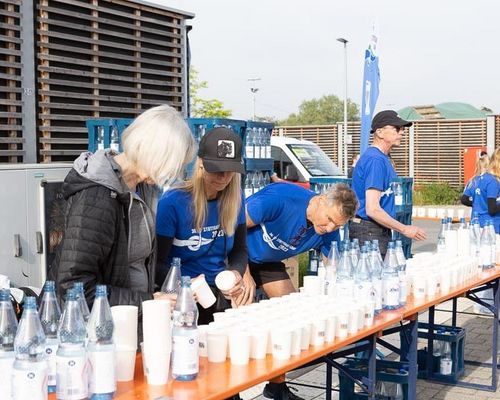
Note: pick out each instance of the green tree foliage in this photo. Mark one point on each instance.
(203, 108)
(326, 110)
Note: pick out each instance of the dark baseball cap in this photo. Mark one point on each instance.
(220, 150)
(388, 117)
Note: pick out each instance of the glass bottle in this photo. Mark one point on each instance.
(173, 280)
(8, 329)
(390, 280)
(80, 297)
(362, 277)
(400, 255)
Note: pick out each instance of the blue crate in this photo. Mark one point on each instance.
(318, 184)
(259, 164)
(199, 126)
(93, 126)
(387, 371)
(452, 334)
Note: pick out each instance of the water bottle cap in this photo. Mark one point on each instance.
(391, 245)
(375, 242)
(50, 286)
(355, 240)
(443, 221)
(29, 303)
(101, 291)
(71, 294)
(78, 286)
(363, 249)
(176, 261)
(186, 281)
(5, 295)
(462, 220)
(399, 242)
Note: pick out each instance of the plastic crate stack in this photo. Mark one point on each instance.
(404, 202)
(104, 133)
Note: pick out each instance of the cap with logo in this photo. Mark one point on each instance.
(220, 149)
(388, 117)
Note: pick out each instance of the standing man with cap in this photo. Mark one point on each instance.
(372, 181)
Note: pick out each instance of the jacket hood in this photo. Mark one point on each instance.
(91, 169)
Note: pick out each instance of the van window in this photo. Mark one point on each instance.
(281, 160)
(314, 160)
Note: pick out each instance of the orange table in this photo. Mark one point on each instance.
(219, 381)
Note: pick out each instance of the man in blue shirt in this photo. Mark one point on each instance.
(371, 180)
(284, 220)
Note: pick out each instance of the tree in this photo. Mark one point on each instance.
(202, 108)
(486, 110)
(326, 110)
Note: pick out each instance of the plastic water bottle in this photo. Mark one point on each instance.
(185, 335)
(446, 363)
(114, 140)
(485, 247)
(475, 236)
(493, 238)
(376, 271)
(267, 179)
(50, 313)
(100, 137)
(8, 329)
(390, 279)
(362, 277)
(449, 223)
(249, 144)
(248, 187)
(332, 263)
(101, 350)
(71, 360)
(400, 255)
(355, 246)
(441, 241)
(80, 297)
(268, 143)
(321, 273)
(172, 282)
(398, 193)
(345, 280)
(29, 378)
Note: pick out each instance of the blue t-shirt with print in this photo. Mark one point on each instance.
(281, 229)
(480, 189)
(374, 171)
(202, 252)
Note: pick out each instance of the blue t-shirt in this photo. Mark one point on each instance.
(200, 252)
(374, 171)
(481, 188)
(281, 230)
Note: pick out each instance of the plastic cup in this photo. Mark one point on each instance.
(305, 338)
(239, 345)
(295, 347)
(204, 294)
(125, 326)
(225, 280)
(318, 331)
(419, 286)
(125, 363)
(330, 328)
(156, 365)
(282, 343)
(342, 324)
(353, 320)
(312, 285)
(202, 340)
(258, 343)
(217, 346)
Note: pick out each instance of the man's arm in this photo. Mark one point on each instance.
(250, 223)
(377, 213)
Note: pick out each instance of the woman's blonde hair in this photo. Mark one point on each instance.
(481, 164)
(159, 143)
(494, 166)
(228, 202)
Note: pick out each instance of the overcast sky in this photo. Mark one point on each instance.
(430, 51)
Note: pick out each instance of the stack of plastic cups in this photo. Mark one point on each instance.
(156, 323)
(125, 339)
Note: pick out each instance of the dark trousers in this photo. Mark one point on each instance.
(205, 316)
(365, 230)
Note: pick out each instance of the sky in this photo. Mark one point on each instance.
(429, 51)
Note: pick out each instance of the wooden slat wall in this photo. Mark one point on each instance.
(11, 148)
(439, 146)
(102, 59)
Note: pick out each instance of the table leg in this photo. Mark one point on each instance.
(372, 367)
(412, 358)
(329, 380)
(494, 346)
(454, 313)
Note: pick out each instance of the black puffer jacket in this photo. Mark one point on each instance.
(94, 248)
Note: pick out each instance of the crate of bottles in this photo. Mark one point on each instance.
(200, 126)
(104, 133)
(321, 185)
(391, 376)
(257, 144)
(448, 360)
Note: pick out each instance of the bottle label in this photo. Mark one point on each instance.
(185, 353)
(6, 366)
(402, 286)
(50, 351)
(249, 151)
(102, 371)
(485, 256)
(248, 192)
(363, 290)
(29, 384)
(71, 377)
(391, 291)
(445, 366)
(345, 289)
(398, 200)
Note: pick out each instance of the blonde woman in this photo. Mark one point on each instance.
(109, 227)
(203, 221)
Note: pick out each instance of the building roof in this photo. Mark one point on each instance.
(450, 110)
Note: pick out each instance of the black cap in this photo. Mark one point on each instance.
(388, 117)
(220, 150)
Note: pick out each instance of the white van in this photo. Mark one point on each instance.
(299, 160)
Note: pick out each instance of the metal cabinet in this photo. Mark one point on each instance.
(31, 220)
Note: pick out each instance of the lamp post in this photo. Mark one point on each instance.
(254, 89)
(344, 135)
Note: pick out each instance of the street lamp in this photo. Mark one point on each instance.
(344, 41)
(254, 89)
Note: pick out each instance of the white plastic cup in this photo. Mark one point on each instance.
(296, 340)
(431, 285)
(342, 324)
(204, 294)
(369, 313)
(330, 328)
(225, 280)
(305, 338)
(312, 284)
(125, 363)
(258, 343)
(156, 364)
(217, 346)
(239, 345)
(282, 343)
(202, 340)
(125, 326)
(156, 323)
(353, 320)
(419, 286)
(318, 328)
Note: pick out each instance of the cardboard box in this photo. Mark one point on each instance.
(292, 268)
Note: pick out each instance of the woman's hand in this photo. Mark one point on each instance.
(248, 294)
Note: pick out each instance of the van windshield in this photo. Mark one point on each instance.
(314, 160)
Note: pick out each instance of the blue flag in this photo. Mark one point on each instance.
(371, 78)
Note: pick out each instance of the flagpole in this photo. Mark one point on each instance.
(344, 133)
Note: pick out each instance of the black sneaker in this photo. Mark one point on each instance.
(279, 391)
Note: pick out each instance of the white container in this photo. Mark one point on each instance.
(258, 343)
(239, 345)
(225, 280)
(125, 363)
(204, 294)
(281, 343)
(217, 346)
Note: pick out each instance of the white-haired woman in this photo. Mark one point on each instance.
(109, 232)
(203, 221)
